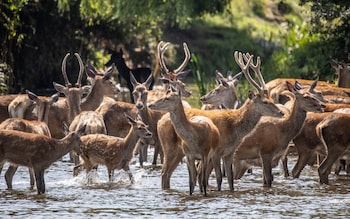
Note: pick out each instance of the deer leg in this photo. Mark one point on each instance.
(40, 183)
(326, 165)
(9, 175)
(216, 160)
(228, 169)
(192, 173)
(267, 169)
(303, 158)
(169, 165)
(203, 178)
(131, 177)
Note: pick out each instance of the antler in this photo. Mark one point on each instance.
(256, 69)
(245, 69)
(179, 71)
(64, 72)
(81, 70)
(184, 63)
(162, 46)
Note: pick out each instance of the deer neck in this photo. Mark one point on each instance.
(294, 122)
(179, 120)
(93, 100)
(73, 110)
(130, 141)
(123, 69)
(62, 147)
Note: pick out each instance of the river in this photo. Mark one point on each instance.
(93, 196)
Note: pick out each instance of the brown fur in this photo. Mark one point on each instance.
(36, 151)
(114, 152)
(333, 131)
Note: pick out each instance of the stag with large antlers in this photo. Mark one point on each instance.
(102, 83)
(233, 125)
(271, 136)
(36, 151)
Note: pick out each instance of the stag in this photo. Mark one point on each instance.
(113, 152)
(233, 125)
(39, 127)
(37, 151)
(271, 136)
(141, 74)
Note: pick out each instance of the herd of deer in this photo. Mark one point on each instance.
(282, 114)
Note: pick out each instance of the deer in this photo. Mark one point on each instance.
(333, 133)
(233, 124)
(141, 95)
(5, 100)
(224, 95)
(37, 151)
(141, 74)
(342, 72)
(39, 127)
(114, 152)
(200, 139)
(327, 90)
(65, 109)
(271, 136)
(150, 117)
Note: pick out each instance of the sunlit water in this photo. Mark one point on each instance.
(94, 197)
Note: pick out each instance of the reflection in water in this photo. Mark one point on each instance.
(93, 196)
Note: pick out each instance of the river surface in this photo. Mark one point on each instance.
(93, 196)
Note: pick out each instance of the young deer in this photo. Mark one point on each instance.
(38, 127)
(200, 139)
(36, 151)
(333, 131)
(141, 74)
(114, 152)
(271, 136)
(233, 125)
(342, 72)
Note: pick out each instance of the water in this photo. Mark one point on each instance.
(94, 197)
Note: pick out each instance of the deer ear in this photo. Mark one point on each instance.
(90, 70)
(250, 94)
(60, 88)
(290, 86)
(54, 98)
(313, 85)
(149, 81)
(131, 121)
(32, 95)
(133, 80)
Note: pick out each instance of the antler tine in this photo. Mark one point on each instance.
(64, 72)
(184, 63)
(81, 69)
(257, 70)
(245, 68)
(161, 49)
